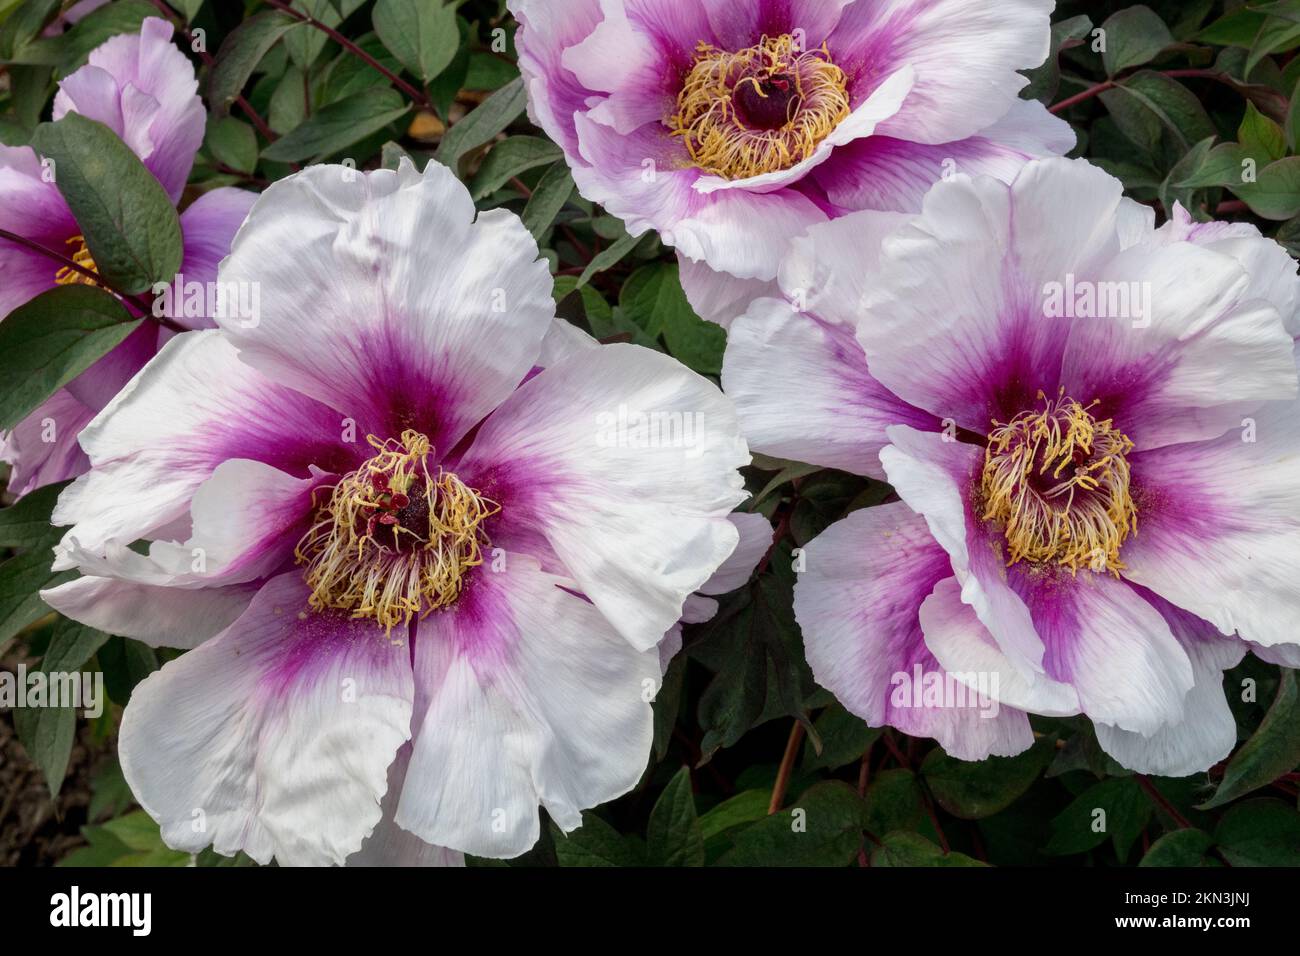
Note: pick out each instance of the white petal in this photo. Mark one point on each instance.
(273, 738)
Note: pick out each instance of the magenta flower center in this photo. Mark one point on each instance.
(1057, 482)
(760, 110)
(395, 539)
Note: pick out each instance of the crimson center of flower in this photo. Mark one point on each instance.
(395, 539)
(760, 110)
(81, 256)
(1057, 482)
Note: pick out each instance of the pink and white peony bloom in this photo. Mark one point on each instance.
(1093, 428)
(731, 126)
(411, 564)
(144, 89)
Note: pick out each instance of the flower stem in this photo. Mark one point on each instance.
(787, 768)
(414, 93)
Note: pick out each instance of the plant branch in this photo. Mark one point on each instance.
(95, 277)
(413, 92)
(787, 768)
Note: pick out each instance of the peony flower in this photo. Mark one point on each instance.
(144, 89)
(413, 562)
(1093, 428)
(731, 126)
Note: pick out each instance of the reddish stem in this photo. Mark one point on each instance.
(787, 768)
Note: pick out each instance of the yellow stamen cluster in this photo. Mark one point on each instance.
(1057, 481)
(714, 130)
(81, 256)
(394, 540)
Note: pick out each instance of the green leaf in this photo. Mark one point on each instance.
(125, 663)
(232, 143)
(595, 843)
(22, 26)
(1260, 832)
(132, 840)
(1175, 107)
(305, 46)
(608, 257)
(1116, 808)
(492, 116)
(337, 126)
(912, 849)
(1134, 36)
(26, 523)
(653, 298)
(47, 734)
(823, 828)
(1273, 750)
(508, 159)
(673, 835)
(113, 19)
(1045, 80)
(746, 807)
(974, 790)
(844, 738)
(188, 8)
(1276, 192)
(1261, 136)
(241, 52)
(1180, 848)
(128, 220)
(1224, 165)
(552, 192)
(21, 578)
(71, 646)
(893, 802)
(422, 34)
(51, 340)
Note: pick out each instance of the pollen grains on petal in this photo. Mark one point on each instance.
(1056, 482)
(396, 538)
(760, 110)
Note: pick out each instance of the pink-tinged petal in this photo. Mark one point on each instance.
(390, 845)
(831, 267)
(1284, 655)
(755, 539)
(159, 615)
(1208, 731)
(742, 23)
(718, 297)
(669, 647)
(168, 430)
(526, 697)
(858, 604)
(546, 30)
(275, 737)
(936, 477)
(208, 227)
(42, 449)
(885, 101)
(1109, 644)
(1191, 349)
(955, 321)
(103, 381)
(965, 649)
(637, 55)
(803, 391)
(562, 340)
(966, 54)
(1270, 266)
(882, 172)
(32, 207)
(364, 306)
(143, 87)
(746, 234)
(1219, 526)
(624, 462)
